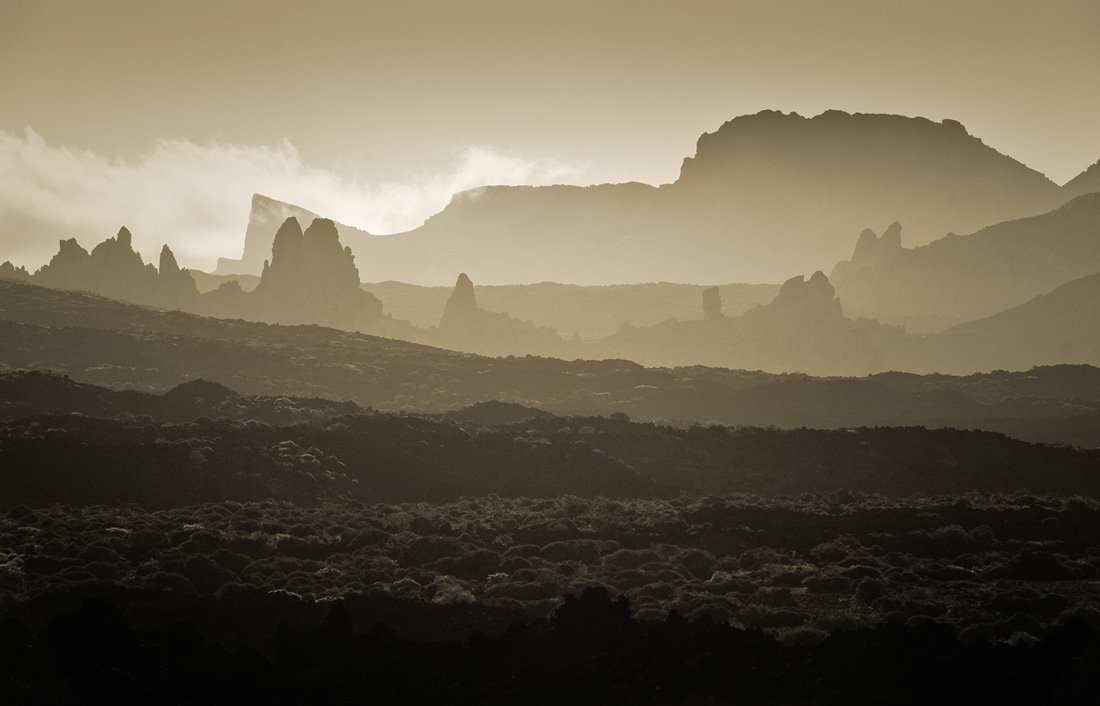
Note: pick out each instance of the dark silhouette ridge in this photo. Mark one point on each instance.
(764, 195)
(974, 275)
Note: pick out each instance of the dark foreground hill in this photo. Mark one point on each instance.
(97, 340)
(308, 455)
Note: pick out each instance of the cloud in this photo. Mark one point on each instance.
(196, 197)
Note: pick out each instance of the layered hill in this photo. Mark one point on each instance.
(803, 329)
(764, 195)
(976, 275)
(109, 343)
(1062, 326)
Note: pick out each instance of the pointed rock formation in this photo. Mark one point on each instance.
(466, 327)
(461, 306)
(68, 269)
(177, 287)
(10, 271)
(312, 279)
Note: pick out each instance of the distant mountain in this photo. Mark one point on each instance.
(1087, 182)
(1060, 327)
(974, 275)
(765, 195)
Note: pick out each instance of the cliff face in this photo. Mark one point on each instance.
(764, 195)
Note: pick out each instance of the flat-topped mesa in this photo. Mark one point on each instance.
(312, 279)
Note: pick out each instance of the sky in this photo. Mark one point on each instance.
(167, 116)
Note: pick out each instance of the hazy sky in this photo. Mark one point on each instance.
(375, 110)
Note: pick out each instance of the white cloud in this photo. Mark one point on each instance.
(196, 197)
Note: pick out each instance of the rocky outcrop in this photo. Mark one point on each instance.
(461, 306)
(802, 300)
(712, 304)
(176, 288)
(466, 327)
(113, 269)
(312, 279)
(10, 271)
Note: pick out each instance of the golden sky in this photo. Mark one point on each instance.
(394, 93)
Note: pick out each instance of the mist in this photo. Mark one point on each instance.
(196, 196)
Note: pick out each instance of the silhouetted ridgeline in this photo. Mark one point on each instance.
(742, 208)
(311, 278)
(109, 343)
